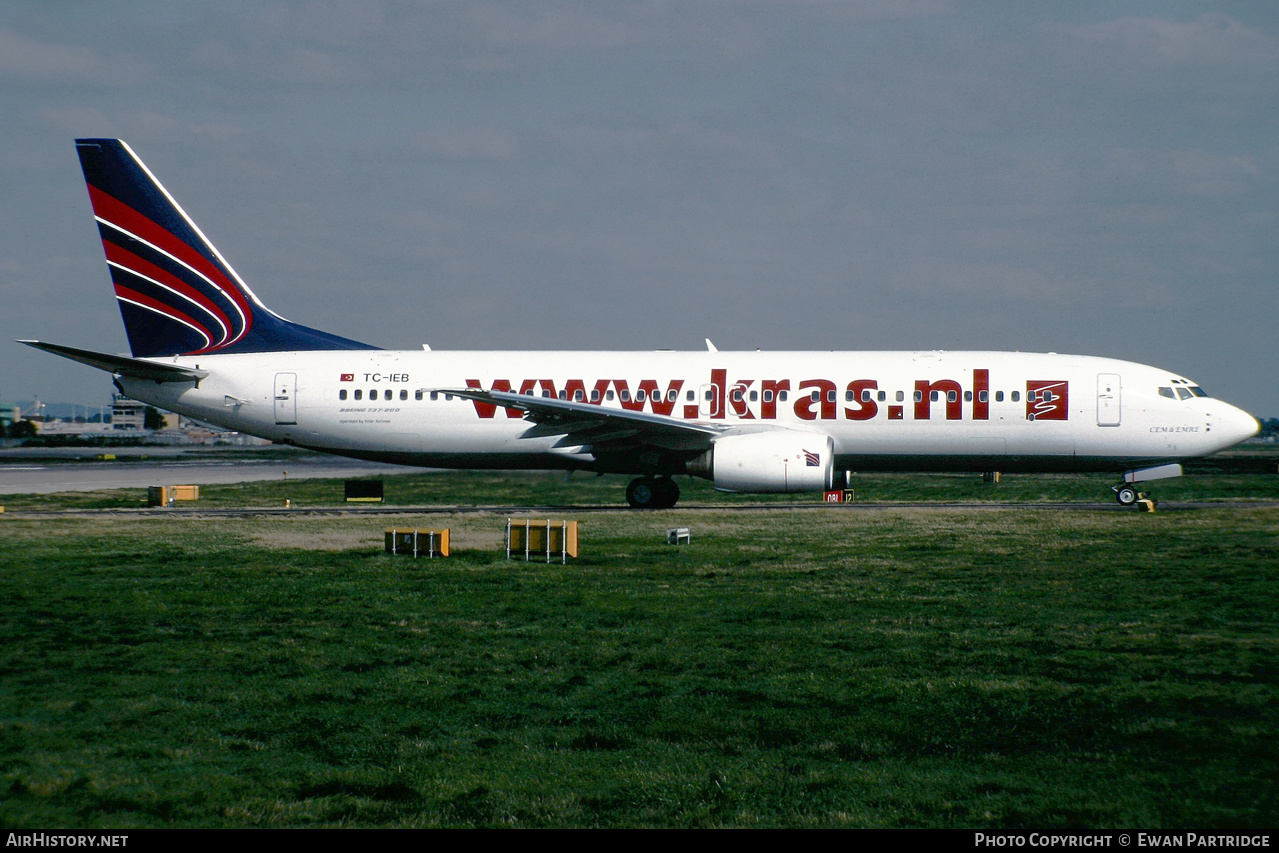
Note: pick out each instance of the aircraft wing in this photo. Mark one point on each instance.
(597, 426)
(134, 368)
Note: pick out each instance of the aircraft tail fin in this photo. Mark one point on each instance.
(177, 294)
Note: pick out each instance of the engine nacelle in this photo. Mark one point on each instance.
(773, 461)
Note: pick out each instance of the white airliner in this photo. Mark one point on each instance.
(203, 345)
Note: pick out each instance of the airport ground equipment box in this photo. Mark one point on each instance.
(544, 538)
(165, 495)
(417, 543)
(363, 491)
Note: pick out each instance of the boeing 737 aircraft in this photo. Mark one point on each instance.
(205, 346)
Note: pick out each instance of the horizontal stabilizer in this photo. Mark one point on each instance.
(134, 368)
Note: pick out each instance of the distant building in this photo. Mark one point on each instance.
(71, 428)
(127, 413)
(9, 415)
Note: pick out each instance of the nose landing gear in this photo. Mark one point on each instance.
(1126, 494)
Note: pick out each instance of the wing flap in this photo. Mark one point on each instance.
(604, 431)
(596, 425)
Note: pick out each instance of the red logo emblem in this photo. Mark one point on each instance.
(1047, 400)
(348, 377)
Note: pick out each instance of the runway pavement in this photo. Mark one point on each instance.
(47, 470)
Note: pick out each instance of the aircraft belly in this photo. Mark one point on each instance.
(942, 439)
(410, 432)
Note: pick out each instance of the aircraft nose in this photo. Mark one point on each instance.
(1237, 425)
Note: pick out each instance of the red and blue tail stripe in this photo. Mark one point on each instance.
(177, 295)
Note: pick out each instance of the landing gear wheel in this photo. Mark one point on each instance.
(652, 493)
(1126, 495)
(642, 493)
(667, 492)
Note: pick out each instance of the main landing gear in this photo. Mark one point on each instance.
(652, 493)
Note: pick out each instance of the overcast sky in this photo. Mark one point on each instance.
(1096, 178)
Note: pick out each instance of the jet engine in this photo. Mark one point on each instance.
(773, 461)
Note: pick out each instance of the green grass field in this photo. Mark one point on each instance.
(901, 667)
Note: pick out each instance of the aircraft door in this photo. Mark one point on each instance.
(1108, 399)
(286, 404)
(708, 402)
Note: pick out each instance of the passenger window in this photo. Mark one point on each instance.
(934, 396)
(848, 396)
(417, 395)
(404, 394)
(999, 396)
(595, 395)
(983, 396)
(968, 396)
(577, 395)
(388, 394)
(919, 396)
(951, 396)
(816, 396)
(625, 395)
(359, 395)
(781, 396)
(901, 396)
(865, 395)
(883, 395)
(639, 395)
(342, 394)
(768, 396)
(754, 396)
(1016, 396)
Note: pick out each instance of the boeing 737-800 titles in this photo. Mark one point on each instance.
(205, 346)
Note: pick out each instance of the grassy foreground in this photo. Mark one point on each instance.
(889, 668)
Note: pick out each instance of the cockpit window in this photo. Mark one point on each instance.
(1181, 390)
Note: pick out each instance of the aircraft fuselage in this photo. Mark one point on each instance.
(884, 410)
